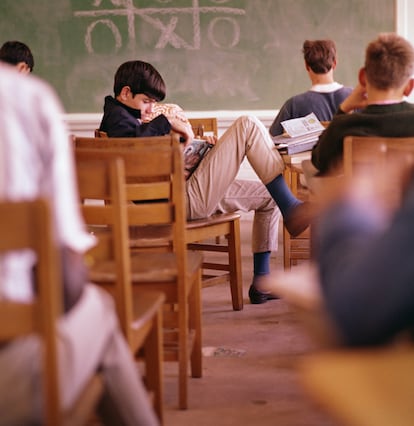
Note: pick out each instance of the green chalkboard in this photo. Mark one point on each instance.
(213, 54)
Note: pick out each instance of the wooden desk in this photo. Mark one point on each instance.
(295, 248)
(293, 168)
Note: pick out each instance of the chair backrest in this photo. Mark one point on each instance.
(155, 189)
(27, 225)
(362, 153)
(124, 143)
(204, 126)
(101, 183)
(389, 158)
(129, 145)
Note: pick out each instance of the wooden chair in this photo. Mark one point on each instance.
(204, 126)
(367, 154)
(201, 234)
(139, 312)
(363, 387)
(385, 159)
(27, 225)
(155, 193)
(295, 248)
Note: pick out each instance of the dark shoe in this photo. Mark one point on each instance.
(298, 219)
(257, 297)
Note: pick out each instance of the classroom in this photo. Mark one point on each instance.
(207, 353)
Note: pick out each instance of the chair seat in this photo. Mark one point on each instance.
(159, 267)
(211, 220)
(147, 267)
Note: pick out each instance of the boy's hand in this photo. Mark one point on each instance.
(210, 139)
(183, 128)
(356, 100)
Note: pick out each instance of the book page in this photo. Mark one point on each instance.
(302, 126)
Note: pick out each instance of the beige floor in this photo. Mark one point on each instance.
(249, 367)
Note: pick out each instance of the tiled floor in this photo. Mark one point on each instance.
(249, 367)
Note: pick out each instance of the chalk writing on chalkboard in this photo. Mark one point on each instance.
(168, 34)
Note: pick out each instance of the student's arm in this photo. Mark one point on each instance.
(120, 123)
(328, 150)
(356, 100)
(157, 127)
(366, 271)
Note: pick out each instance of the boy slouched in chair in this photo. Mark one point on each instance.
(213, 186)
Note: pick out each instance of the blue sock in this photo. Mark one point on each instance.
(261, 263)
(282, 195)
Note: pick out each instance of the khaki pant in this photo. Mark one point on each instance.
(213, 188)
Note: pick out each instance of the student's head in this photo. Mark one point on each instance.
(18, 54)
(389, 61)
(319, 55)
(137, 84)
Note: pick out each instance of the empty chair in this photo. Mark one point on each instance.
(140, 313)
(204, 126)
(155, 193)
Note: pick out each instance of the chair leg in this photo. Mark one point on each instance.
(153, 351)
(236, 283)
(195, 326)
(286, 250)
(183, 355)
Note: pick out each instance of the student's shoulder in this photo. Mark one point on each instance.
(408, 106)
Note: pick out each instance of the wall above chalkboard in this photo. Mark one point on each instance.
(213, 54)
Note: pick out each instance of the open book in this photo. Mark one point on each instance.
(301, 134)
(194, 153)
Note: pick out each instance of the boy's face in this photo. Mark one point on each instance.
(140, 101)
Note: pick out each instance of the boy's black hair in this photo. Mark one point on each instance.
(14, 52)
(141, 77)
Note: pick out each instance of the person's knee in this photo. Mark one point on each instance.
(247, 121)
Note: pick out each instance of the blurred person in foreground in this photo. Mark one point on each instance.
(363, 252)
(36, 161)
